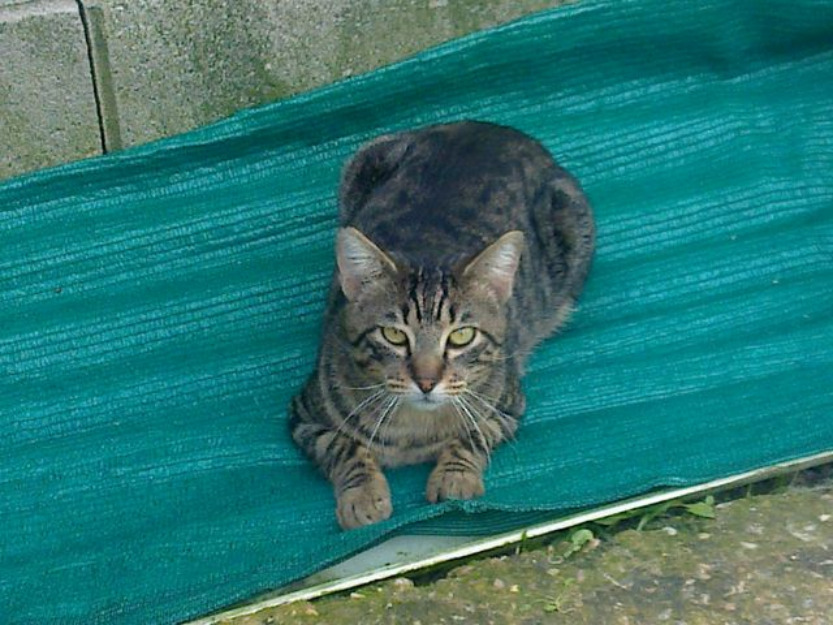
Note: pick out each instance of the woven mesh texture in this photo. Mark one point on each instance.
(159, 307)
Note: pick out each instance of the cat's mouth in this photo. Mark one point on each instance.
(426, 401)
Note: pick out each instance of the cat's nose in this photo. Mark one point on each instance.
(426, 385)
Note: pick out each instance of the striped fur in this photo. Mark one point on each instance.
(466, 225)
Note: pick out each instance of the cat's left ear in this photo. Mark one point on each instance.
(496, 266)
(361, 264)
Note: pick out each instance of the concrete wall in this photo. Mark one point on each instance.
(47, 109)
(80, 77)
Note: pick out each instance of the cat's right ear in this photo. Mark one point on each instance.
(361, 264)
(372, 165)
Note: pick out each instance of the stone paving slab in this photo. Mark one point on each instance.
(172, 65)
(47, 105)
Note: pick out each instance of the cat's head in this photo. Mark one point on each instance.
(429, 334)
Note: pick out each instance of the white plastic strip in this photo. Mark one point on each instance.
(480, 545)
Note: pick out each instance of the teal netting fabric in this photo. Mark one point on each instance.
(158, 307)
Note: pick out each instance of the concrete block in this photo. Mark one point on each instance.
(172, 65)
(47, 105)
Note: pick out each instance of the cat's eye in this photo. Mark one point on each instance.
(462, 336)
(394, 336)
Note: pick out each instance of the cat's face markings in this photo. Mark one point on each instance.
(430, 338)
(433, 334)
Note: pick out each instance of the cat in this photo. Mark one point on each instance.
(460, 247)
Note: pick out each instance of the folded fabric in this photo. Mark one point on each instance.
(160, 306)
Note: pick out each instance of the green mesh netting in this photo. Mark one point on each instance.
(159, 307)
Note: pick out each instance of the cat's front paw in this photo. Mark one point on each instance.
(453, 483)
(365, 504)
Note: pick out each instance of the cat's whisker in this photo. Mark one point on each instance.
(472, 414)
(455, 401)
(385, 413)
(364, 388)
(390, 418)
(455, 388)
(507, 433)
(366, 402)
(488, 403)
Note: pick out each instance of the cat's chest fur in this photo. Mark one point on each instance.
(413, 435)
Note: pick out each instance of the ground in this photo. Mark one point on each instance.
(765, 558)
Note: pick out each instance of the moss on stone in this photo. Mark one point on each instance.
(763, 559)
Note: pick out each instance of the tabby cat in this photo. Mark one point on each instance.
(461, 247)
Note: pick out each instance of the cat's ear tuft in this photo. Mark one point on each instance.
(496, 266)
(361, 264)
